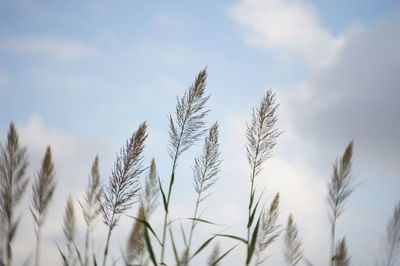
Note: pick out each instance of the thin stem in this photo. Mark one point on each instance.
(87, 237)
(38, 243)
(164, 235)
(107, 243)
(333, 228)
(193, 222)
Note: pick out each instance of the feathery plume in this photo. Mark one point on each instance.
(340, 188)
(135, 251)
(13, 182)
(149, 199)
(184, 130)
(214, 255)
(206, 167)
(293, 249)
(262, 133)
(43, 190)
(187, 127)
(341, 257)
(69, 228)
(392, 239)
(135, 245)
(123, 184)
(90, 208)
(269, 225)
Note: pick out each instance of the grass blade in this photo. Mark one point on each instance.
(149, 247)
(174, 248)
(234, 237)
(165, 204)
(252, 246)
(205, 244)
(145, 223)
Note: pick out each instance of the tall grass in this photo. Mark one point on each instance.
(124, 188)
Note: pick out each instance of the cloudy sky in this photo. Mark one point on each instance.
(81, 75)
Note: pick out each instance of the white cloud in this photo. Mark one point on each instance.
(357, 97)
(287, 26)
(61, 50)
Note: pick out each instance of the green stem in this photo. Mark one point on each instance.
(171, 182)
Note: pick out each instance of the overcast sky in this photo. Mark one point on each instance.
(82, 75)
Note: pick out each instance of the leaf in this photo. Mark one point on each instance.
(223, 255)
(183, 234)
(208, 241)
(145, 223)
(252, 246)
(254, 210)
(149, 247)
(163, 196)
(234, 237)
(201, 220)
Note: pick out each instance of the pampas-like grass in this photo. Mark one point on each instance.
(184, 130)
(205, 170)
(43, 191)
(261, 135)
(391, 245)
(90, 208)
(135, 250)
(340, 188)
(69, 229)
(214, 256)
(293, 245)
(269, 228)
(341, 257)
(123, 184)
(13, 182)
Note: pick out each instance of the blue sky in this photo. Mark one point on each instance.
(81, 75)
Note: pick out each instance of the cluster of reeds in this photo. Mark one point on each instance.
(114, 198)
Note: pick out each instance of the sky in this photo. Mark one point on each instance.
(82, 75)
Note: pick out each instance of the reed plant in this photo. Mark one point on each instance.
(125, 187)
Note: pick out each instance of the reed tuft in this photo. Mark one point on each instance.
(340, 188)
(135, 249)
(90, 208)
(188, 125)
(69, 229)
(123, 184)
(341, 257)
(261, 133)
(43, 191)
(13, 182)
(184, 130)
(391, 246)
(214, 256)
(269, 229)
(293, 245)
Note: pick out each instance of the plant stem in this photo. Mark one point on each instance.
(87, 237)
(333, 228)
(38, 242)
(193, 223)
(107, 243)
(171, 181)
